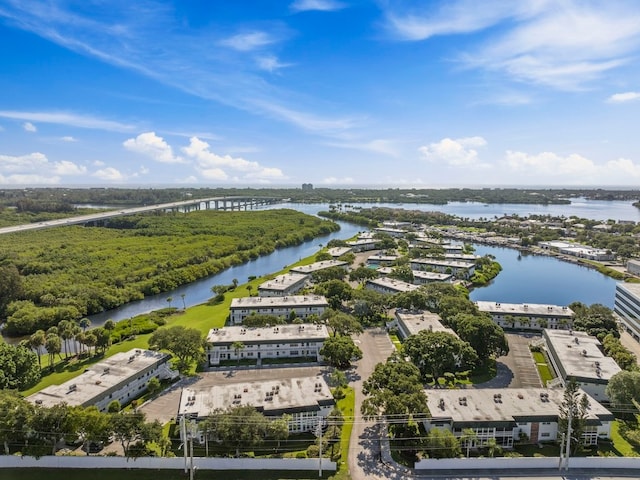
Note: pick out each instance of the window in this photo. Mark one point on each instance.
(546, 434)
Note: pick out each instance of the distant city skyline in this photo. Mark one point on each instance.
(337, 93)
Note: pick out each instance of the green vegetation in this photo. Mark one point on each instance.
(346, 405)
(396, 341)
(141, 474)
(546, 373)
(70, 272)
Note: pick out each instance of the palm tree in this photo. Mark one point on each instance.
(66, 333)
(84, 323)
(37, 341)
(237, 346)
(169, 300)
(468, 439)
(184, 305)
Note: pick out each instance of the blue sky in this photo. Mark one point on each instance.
(332, 92)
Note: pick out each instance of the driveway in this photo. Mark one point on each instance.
(364, 449)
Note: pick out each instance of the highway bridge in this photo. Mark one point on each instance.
(215, 203)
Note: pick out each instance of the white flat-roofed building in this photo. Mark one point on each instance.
(283, 285)
(627, 307)
(412, 323)
(278, 341)
(308, 400)
(459, 269)
(390, 285)
(461, 257)
(421, 277)
(381, 259)
(633, 267)
(528, 316)
(392, 232)
(363, 245)
(336, 252)
(510, 415)
(317, 266)
(302, 305)
(577, 250)
(122, 377)
(577, 356)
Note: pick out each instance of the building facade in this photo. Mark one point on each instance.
(459, 269)
(122, 377)
(509, 415)
(283, 285)
(627, 307)
(528, 316)
(577, 356)
(279, 341)
(303, 306)
(389, 285)
(307, 400)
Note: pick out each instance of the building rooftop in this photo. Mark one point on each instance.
(382, 258)
(282, 282)
(529, 309)
(415, 322)
(288, 301)
(632, 288)
(579, 355)
(338, 251)
(512, 405)
(436, 277)
(393, 284)
(441, 262)
(273, 397)
(314, 267)
(99, 379)
(275, 334)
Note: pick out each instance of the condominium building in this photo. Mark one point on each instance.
(283, 285)
(303, 306)
(279, 341)
(122, 377)
(577, 356)
(627, 307)
(389, 285)
(509, 415)
(307, 400)
(317, 266)
(528, 316)
(457, 268)
(411, 323)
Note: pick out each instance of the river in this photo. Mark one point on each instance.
(533, 279)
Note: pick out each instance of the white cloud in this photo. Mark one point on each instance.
(624, 97)
(30, 180)
(319, 5)
(459, 152)
(109, 174)
(66, 167)
(69, 119)
(152, 146)
(246, 42)
(215, 167)
(623, 169)
(36, 165)
(98, 163)
(540, 42)
(29, 127)
(549, 164)
(33, 162)
(270, 63)
(68, 139)
(306, 121)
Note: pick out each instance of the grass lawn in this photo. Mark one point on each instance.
(546, 374)
(618, 446)
(346, 406)
(96, 474)
(396, 341)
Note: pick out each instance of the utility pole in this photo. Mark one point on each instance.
(568, 451)
(183, 431)
(192, 433)
(319, 435)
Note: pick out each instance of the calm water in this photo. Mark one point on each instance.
(532, 279)
(540, 279)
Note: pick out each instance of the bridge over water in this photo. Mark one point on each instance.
(214, 203)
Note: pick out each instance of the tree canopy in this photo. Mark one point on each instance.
(482, 333)
(19, 367)
(340, 351)
(185, 343)
(435, 353)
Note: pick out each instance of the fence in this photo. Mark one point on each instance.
(156, 463)
(526, 463)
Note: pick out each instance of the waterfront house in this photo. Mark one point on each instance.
(303, 306)
(528, 316)
(283, 285)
